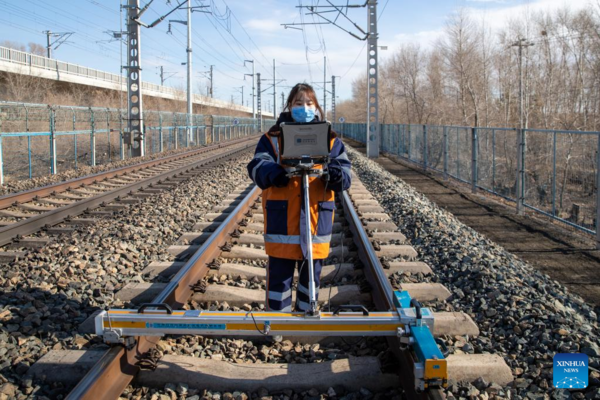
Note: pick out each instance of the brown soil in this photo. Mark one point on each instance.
(566, 255)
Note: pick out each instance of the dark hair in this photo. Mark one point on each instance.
(310, 93)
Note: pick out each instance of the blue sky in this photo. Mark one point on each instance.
(252, 31)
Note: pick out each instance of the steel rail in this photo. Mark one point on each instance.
(383, 299)
(28, 195)
(115, 370)
(110, 376)
(49, 218)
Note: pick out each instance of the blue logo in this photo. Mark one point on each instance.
(570, 371)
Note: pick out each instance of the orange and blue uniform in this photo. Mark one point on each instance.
(284, 209)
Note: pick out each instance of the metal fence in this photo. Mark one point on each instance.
(38, 140)
(558, 177)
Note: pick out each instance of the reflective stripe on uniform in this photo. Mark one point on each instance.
(302, 305)
(264, 156)
(294, 239)
(276, 145)
(285, 239)
(342, 156)
(277, 296)
(304, 290)
(286, 309)
(255, 169)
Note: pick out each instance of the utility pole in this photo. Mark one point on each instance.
(333, 99)
(188, 50)
(61, 38)
(48, 46)
(282, 101)
(371, 37)
(189, 73)
(521, 139)
(253, 88)
(212, 94)
(274, 93)
(135, 122)
(324, 88)
(134, 136)
(162, 75)
(372, 94)
(258, 102)
(209, 91)
(242, 90)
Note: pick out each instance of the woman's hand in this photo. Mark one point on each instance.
(281, 179)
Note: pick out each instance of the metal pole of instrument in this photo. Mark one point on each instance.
(135, 122)
(258, 102)
(188, 129)
(372, 94)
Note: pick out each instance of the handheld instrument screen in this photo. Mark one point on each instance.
(301, 140)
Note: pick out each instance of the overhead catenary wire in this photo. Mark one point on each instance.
(109, 51)
(245, 52)
(196, 56)
(364, 45)
(213, 51)
(47, 21)
(248, 35)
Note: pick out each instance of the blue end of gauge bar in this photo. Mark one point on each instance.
(402, 299)
(424, 345)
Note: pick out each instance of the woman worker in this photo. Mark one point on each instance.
(283, 206)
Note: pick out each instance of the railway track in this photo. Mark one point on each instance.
(55, 209)
(220, 265)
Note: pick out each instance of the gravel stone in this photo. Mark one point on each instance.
(522, 314)
(48, 292)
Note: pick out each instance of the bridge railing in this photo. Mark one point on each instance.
(38, 139)
(560, 173)
(30, 60)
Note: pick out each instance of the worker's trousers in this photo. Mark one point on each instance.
(280, 274)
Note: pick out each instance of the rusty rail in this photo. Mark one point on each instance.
(111, 375)
(33, 224)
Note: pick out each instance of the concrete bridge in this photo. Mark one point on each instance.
(19, 62)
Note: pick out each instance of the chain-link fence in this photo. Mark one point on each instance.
(38, 140)
(558, 177)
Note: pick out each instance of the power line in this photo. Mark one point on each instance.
(304, 40)
(365, 45)
(213, 51)
(34, 17)
(247, 34)
(241, 45)
(53, 22)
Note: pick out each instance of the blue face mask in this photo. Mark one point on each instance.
(303, 114)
